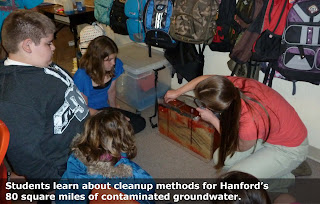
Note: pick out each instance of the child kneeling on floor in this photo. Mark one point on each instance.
(101, 155)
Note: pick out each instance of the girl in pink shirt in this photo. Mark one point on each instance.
(261, 133)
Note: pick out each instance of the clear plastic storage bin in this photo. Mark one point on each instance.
(136, 86)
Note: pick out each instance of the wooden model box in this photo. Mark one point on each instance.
(182, 123)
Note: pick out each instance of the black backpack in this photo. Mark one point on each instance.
(186, 61)
(227, 28)
(267, 46)
(118, 19)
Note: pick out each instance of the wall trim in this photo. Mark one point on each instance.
(314, 153)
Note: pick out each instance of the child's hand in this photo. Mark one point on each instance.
(206, 114)
(171, 95)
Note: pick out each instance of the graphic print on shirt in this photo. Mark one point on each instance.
(74, 104)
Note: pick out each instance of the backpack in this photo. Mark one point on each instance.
(118, 20)
(194, 21)
(267, 46)
(186, 61)
(102, 10)
(133, 9)
(227, 28)
(300, 59)
(89, 33)
(252, 12)
(156, 19)
(245, 12)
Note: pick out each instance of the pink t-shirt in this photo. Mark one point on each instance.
(286, 128)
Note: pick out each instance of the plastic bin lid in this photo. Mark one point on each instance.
(136, 58)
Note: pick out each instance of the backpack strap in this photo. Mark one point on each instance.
(141, 9)
(315, 36)
(269, 74)
(282, 11)
(154, 125)
(304, 17)
(304, 35)
(316, 18)
(273, 72)
(235, 69)
(97, 26)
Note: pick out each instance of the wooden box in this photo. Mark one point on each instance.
(182, 123)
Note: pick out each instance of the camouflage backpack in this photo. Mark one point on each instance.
(194, 21)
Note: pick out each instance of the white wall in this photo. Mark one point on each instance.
(305, 101)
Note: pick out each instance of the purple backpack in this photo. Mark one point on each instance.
(300, 58)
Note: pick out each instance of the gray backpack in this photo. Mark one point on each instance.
(194, 21)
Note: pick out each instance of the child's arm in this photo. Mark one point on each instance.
(112, 95)
(112, 90)
(91, 110)
(173, 94)
(28, 154)
(207, 115)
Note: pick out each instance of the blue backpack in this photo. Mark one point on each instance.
(133, 9)
(102, 10)
(157, 14)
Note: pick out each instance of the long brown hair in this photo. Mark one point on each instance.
(107, 132)
(219, 94)
(98, 49)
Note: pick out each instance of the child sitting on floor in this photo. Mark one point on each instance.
(39, 102)
(102, 153)
(96, 79)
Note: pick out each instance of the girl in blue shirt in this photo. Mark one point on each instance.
(96, 78)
